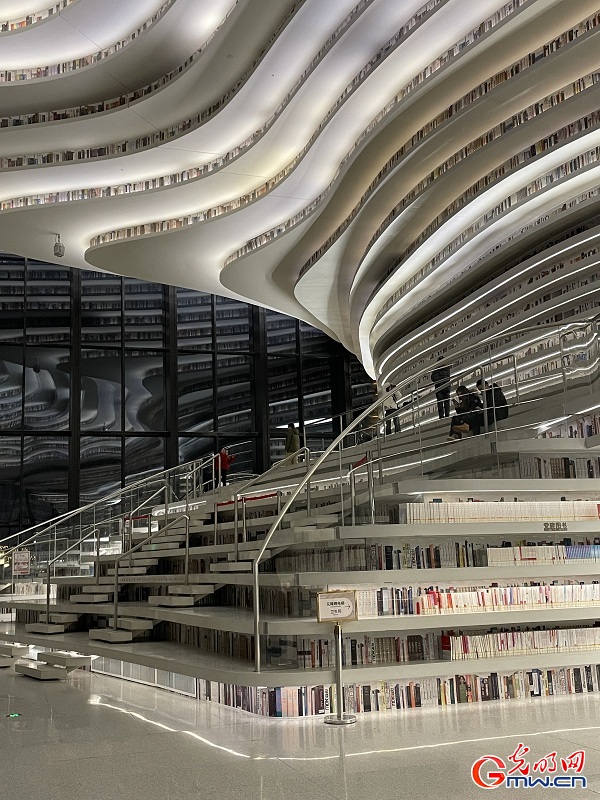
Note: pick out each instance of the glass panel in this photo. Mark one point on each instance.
(48, 303)
(195, 392)
(12, 307)
(192, 448)
(144, 391)
(100, 470)
(232, 323)
(234, 399)
(100, 390)
(143, 456)
(100, 308)
(45, 477)
(194, 320)
(281, 333)
(10, 485)
(11, 387)
(47, 388)
(144, 312)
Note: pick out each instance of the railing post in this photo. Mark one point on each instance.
(215, 521)
(420, 433)
(563, 371)
(380, 460)
(187, 549)
(244, 521)
(352, 499)
(341, 484)
(116, 596)
(256, 600)
(236, 539)
(308, 496)
(47, 591)
(371, 488)
(516, 374)
(278, 502)
(486, 426)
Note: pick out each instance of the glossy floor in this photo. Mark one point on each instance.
(99, 738)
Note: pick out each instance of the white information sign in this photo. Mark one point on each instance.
(336, 606)
(21, 561)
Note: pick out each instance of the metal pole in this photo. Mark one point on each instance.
(235, 524)
(339, 718)
(187, 549)
(244, 524)
(371, 489)
(563, 372)
(308, 498)
(420, 433)
(486, 426)
(516, 374)
(256, 601)
(341, 484)
(215, 515)
(47, 592)
(352, 499)
(380, 460)
(116, 596)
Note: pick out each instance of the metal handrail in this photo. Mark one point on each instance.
(242, 491)
(49, 524)
(334, 444)
(147, 540)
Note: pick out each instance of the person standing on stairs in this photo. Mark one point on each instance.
(222, 463)
(292, 443)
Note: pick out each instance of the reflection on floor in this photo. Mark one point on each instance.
(99, 738)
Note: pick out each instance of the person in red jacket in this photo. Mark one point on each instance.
(222, 463)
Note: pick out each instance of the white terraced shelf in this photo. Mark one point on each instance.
(418, 180)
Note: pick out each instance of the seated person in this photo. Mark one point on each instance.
(495, 402)
(468, 414)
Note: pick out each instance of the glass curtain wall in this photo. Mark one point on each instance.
(105, 379)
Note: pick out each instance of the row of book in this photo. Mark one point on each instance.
(304, 701)
(31, 19)
(456, 647)
(424, 600)
(465, 323)
(486, 511)
(319, 652)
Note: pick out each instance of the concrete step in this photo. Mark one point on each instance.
(248, 555)
(231, 566)
(60, 619)
(66, 660)
(41, 672)
(89, 598)
(132, 624)
(6, 662)
(148, 548)
(193, 589)
(172, 600)
(110, 635)
(14, 650)
(123, 570)
(44, 627)
(142, 561)
(96, 588)
(169, 537)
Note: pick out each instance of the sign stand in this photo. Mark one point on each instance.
(340, 718)
(337, 606)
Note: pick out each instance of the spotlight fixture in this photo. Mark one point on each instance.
(59, 248)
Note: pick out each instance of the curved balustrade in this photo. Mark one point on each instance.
(34, 73)
(18, 23)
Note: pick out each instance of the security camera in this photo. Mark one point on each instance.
(59, 248)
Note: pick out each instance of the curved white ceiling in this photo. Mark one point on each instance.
(309, 79)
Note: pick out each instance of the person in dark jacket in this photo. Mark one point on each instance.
(292, 443)
(468, 413)
(495, 402)
(440, 377)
